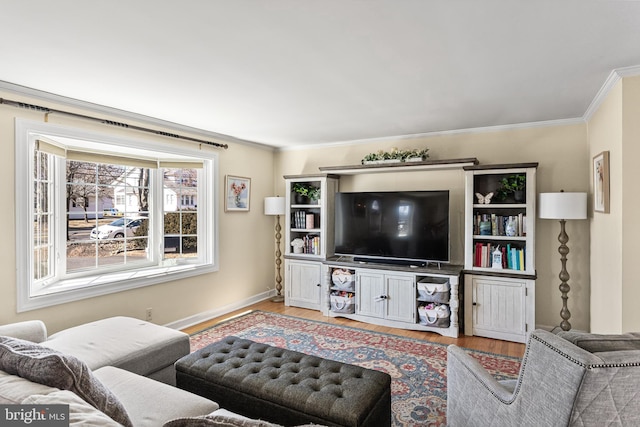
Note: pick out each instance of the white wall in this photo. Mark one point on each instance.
(246, 238)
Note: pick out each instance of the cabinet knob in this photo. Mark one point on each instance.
(474, 303)
(318, 285)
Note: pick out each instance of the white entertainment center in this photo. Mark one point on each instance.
(424, 298)
(388, 295)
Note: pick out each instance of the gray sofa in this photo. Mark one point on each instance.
(113, 372)
(568, 379)
(97, 366)
(124, 342)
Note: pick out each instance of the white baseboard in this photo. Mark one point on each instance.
(221, 311)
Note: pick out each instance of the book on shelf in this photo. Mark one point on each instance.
(512, 258)
(303, 220)
(311, 244)
(500, 225)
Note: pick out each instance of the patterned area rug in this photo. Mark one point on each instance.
(417, 367)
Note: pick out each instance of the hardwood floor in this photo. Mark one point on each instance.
(478, 343)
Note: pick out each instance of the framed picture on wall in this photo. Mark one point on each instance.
(237, 194)
(601, 182)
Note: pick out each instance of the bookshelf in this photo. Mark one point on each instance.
(309, 222)
(499, 253)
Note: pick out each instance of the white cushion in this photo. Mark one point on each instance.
(149, 402)
(14, 389)
(80, 412)
(123, 342)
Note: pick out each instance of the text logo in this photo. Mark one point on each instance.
(34, 415)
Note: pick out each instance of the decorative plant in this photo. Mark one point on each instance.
(396, 154)
(511, 184)
(371, 157)
(421, 153)
(307, 190)
(297, 243)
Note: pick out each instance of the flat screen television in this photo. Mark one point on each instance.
(399, 227)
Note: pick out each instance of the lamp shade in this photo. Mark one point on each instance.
(562, 205)
(274, 205)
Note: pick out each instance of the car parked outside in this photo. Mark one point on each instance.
(112, 212)
(117, 229)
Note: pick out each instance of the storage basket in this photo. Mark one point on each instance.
(343, 304)
(433, 291)
(436, 315)
(343, 279)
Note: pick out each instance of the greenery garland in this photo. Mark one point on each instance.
(396, 154)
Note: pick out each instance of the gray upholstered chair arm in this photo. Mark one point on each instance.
(458, 359)
(30, 330)
(595, 343)
(560, 384)
(475, 400)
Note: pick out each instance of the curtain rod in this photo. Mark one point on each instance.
(48, 110)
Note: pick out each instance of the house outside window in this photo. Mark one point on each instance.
(68, 249)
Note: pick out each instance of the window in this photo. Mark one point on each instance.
(97, 214)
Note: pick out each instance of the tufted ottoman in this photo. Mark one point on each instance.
(284, 386)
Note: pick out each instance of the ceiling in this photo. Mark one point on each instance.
(289, 72)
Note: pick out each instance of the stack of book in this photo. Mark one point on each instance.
(303, 220)
(497, 225)
(311, 244)
(512, 258)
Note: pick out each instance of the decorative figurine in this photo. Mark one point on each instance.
(484, 200)
(511, 228)
(496, 258)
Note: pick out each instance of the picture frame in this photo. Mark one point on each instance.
(237, 193)
(601, 182)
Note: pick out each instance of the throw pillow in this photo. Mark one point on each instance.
(46, 366)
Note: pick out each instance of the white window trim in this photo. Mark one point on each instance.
(26, 133)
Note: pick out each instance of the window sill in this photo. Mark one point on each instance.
(104, 284)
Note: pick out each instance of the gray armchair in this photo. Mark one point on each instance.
(569, 379)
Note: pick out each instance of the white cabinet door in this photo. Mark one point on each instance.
(369, 292)
(303, 282)
(501, 307)
(400, 298)
(386, 296)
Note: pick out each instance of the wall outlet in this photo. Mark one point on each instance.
(149, 316)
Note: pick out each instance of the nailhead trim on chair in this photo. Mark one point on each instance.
(586, 366)
(563, 354)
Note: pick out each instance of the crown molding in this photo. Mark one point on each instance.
(122, 114)
(396, 138)
(614, 77)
